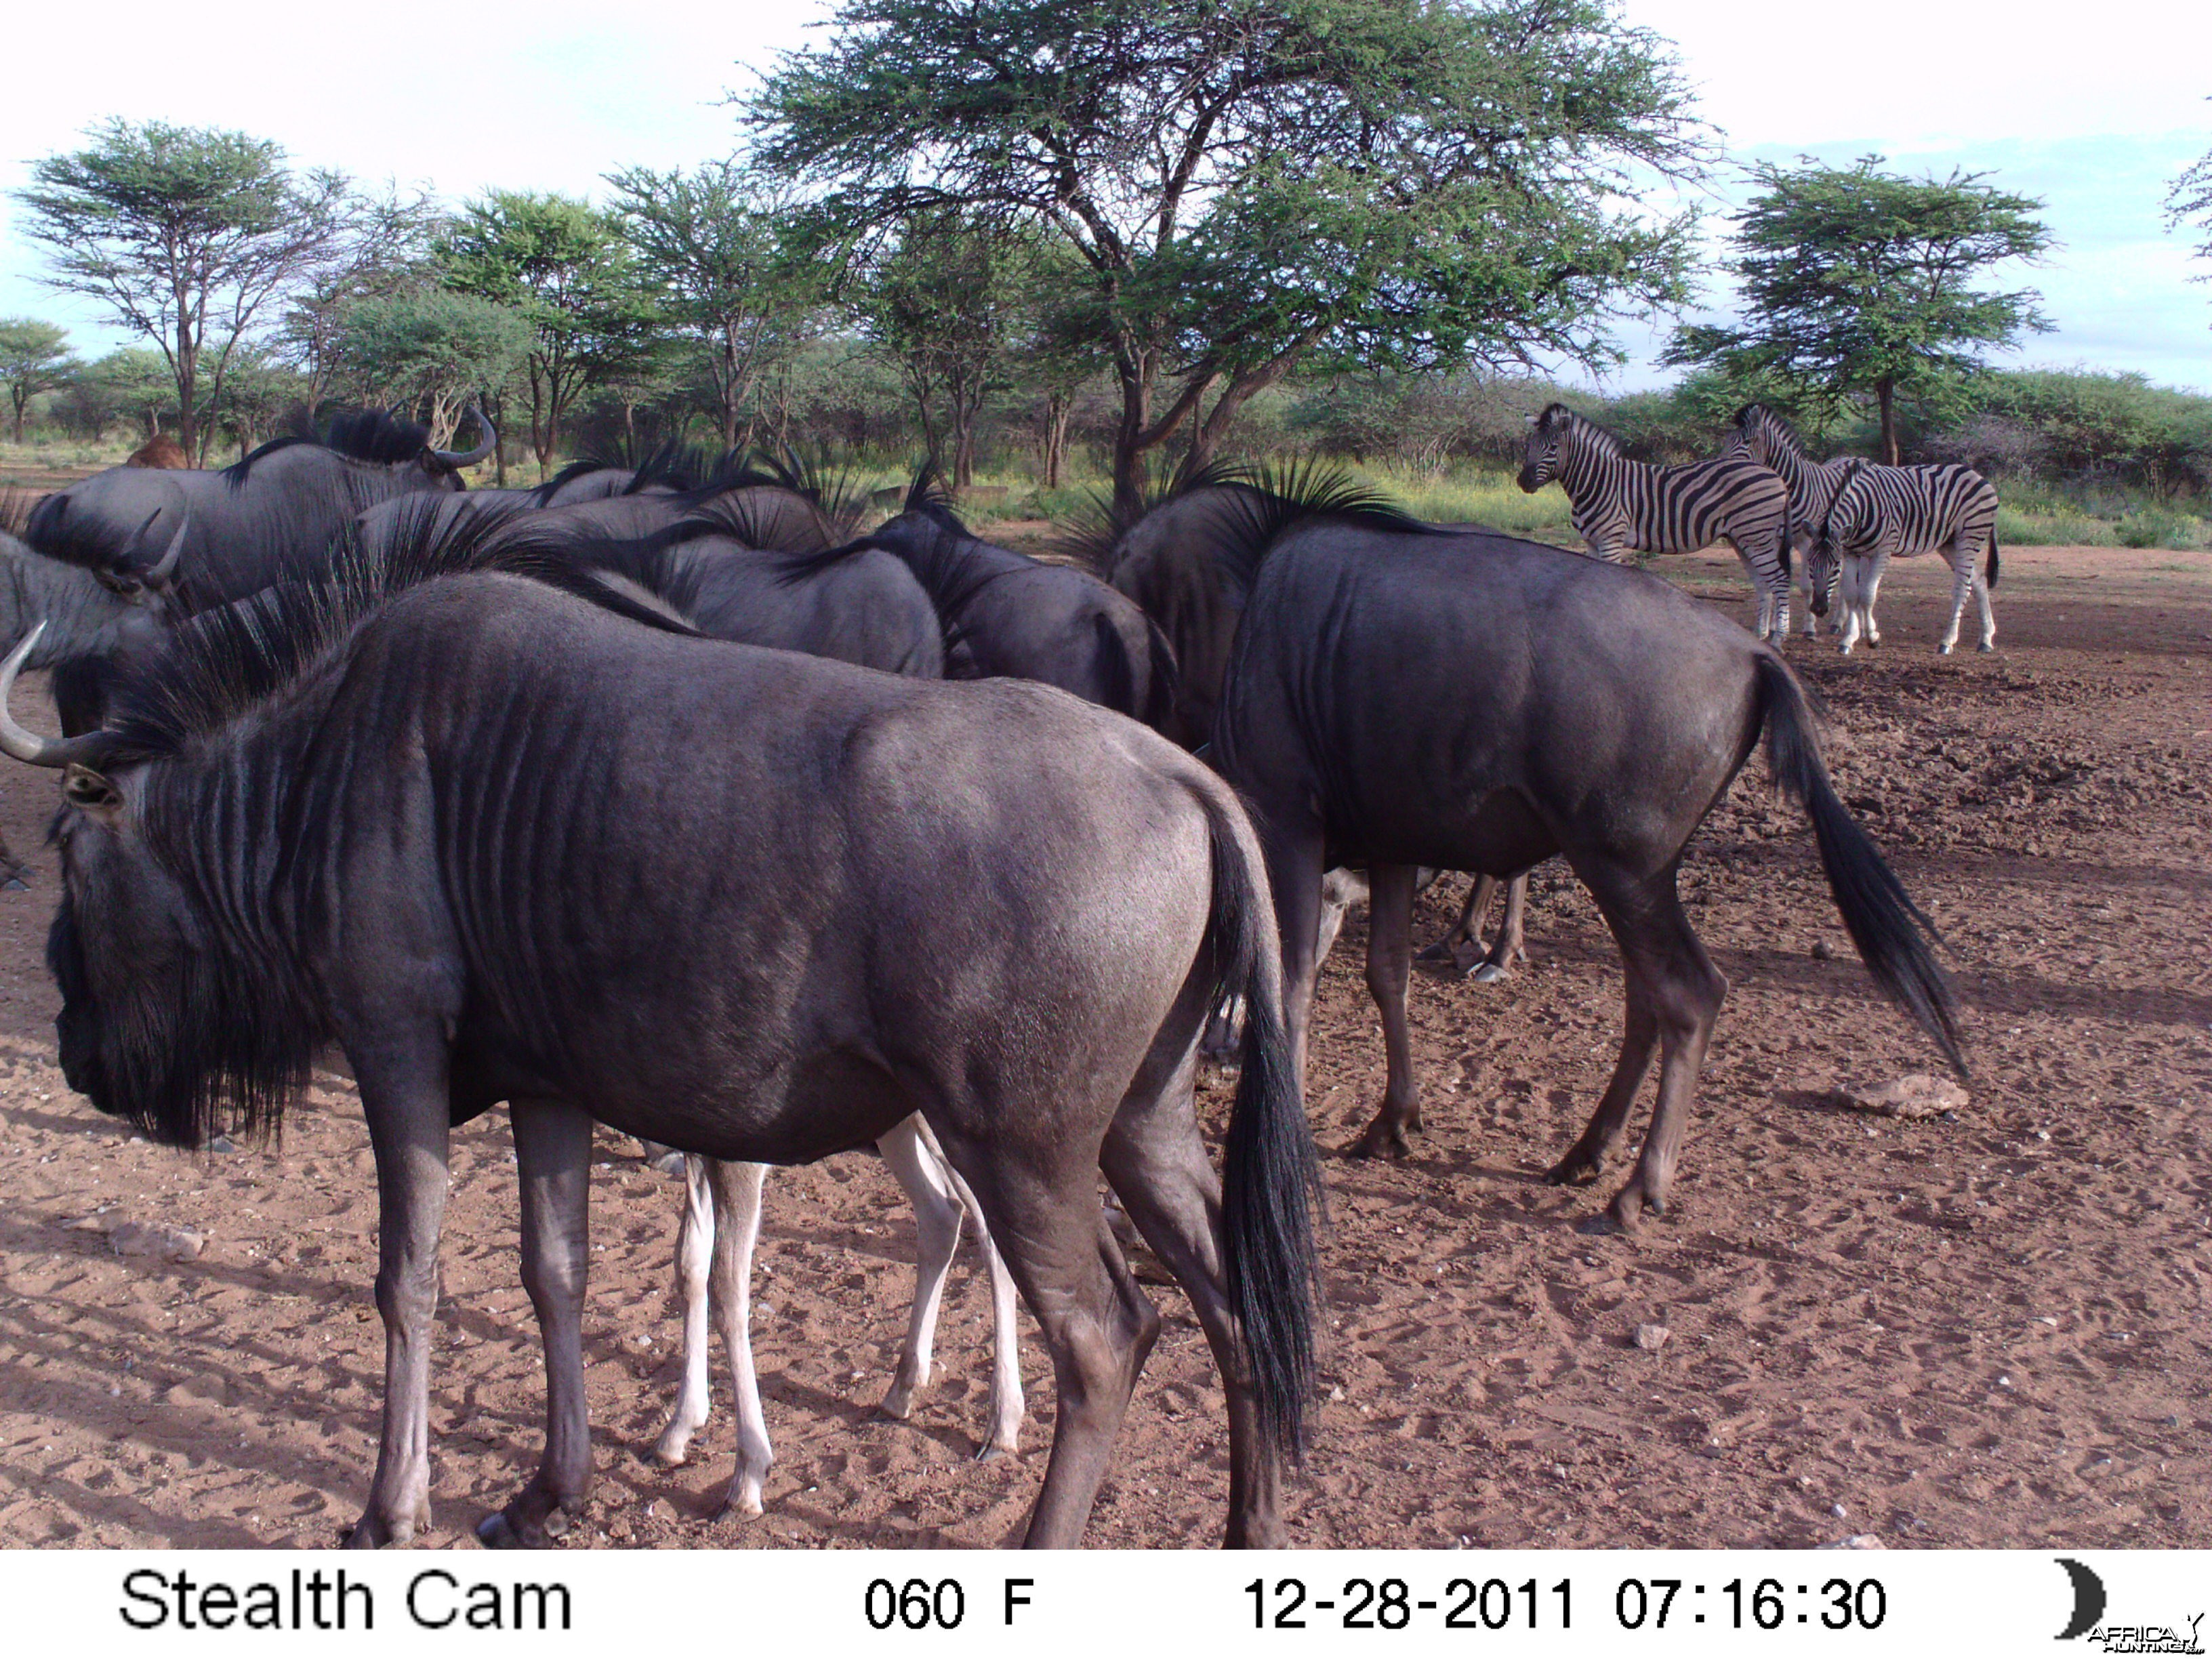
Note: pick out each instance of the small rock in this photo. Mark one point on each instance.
(1652, 1337)
(1336, 1391)
(150, 1238)
(221, 1144)
(1559, 1471)
(1838, 1510)
(1858, 1540)
(2004, 1382)
(1821, 952)
(1915, 1095)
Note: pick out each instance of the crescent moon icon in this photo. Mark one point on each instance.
(2088, 1599)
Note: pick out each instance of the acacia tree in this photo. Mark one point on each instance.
(429, 350)
(563, 266)
(730, 266)
(948, 303)
(384, 252)
(186, 234)
(2189, 202)
(1858, 282)
(34, 357)
(1403, 184)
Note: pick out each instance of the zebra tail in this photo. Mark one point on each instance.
(1991, 574)
(1894, 938)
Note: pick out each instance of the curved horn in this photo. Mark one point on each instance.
(164, 569)
(460, 458)
(27, 746)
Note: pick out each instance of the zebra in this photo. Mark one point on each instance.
(1623, 506)
(1882, 513)
(1758, 433)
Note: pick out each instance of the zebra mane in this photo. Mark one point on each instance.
(1558, 416)
(1758, 414)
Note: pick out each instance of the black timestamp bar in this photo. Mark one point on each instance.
(1391, 1604)
(1768, 1604)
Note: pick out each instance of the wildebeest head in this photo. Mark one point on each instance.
(1540, 462)
(126, 527)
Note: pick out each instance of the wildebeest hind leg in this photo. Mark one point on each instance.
(404, 1099)
(937, 1216)
(553, 1155)
(1685, 991)
(1389, 961)
(1461, 947)
(1586, 1160)
(1096, 1324)
(1156, 1164)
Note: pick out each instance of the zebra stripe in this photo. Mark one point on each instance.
(1885, 512)
(1758, 433)
(1623, 506)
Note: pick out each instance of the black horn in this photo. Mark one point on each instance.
(28, 745)
(458, 459)
(163, 571)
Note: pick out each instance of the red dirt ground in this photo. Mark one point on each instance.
(1986, 1331)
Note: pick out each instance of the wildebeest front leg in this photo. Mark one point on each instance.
(1294, 877)
(1389, 963)
(553, 1154)
(403, 1096)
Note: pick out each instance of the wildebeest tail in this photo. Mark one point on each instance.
(1271, 1189)
(1162, 685)
(1990, 575)
(1894, 938)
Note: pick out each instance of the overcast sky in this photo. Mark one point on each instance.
(2094, 109)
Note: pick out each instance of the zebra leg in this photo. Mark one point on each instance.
(1961, 560)
(1505, 949)
(1854, 571)
(737, 1230)
(937, 1229)
(695, 1243)
(1007, 1406)
(1988, 639)
(1872, 592)
(1461, 947)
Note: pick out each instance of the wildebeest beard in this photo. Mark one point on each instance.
(188, 1053)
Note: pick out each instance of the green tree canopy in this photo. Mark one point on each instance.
(730, 266)
(34, 357)
(186, 234)
(1856, 282)
(565, 267)
(1404, 184)
(429, 349)
(2189, 202)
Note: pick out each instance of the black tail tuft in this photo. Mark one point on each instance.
(1893, 938)
(1271, 1188)
(1990, 575)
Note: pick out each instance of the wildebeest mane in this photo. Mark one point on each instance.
(1276, 499)
(226, 660)
(1089, 540)
(362, 435)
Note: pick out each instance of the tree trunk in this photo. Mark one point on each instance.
(1886, 392)
(20, 401)
(1056, 405)
(188, 424)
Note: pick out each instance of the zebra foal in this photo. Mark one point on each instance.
(1758, 433)
(1882, 513)
(1623, 506)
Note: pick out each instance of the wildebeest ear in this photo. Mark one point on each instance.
(83, 787)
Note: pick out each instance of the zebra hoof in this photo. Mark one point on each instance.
(1986, 647)
(1488, 974)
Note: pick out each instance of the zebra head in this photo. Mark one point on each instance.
(1752, 435)
(1548, 436)
(1846, 511)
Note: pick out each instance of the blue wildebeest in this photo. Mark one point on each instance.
(1479, 702)
(1008, 614)
(200, 539)
(497, 843)
(1170, 558)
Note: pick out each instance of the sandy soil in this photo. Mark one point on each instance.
(1986, 1331)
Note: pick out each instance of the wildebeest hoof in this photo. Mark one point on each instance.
(898, 1404)
(991, 1450)
(741, 1502)
(372, 1532)
(670, 1164)
(1576, 1169)
(1628, 1208)
(1441, 950)
(1986, 645)
(494, 1532)
(1488, 973)
(16, 883)
(1382, 1139)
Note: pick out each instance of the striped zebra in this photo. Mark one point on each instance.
(1882, 513)
(1758, 433)
(1623, 506)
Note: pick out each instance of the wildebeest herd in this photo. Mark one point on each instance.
(657, 797)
